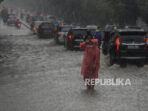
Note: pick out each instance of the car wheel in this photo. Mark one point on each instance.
(123, 65)
(66, 45)
(40, 35)
(140, 65)
(104, 51)
(52, 35)
(56, 39)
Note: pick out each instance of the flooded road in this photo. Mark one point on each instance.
(38, 75)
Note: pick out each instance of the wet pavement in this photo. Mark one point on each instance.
(38, 75)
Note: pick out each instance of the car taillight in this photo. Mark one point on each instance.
(70, 36)
(146, 41)
(34, 29)
(41, 14)
(118, 43)
(59, 33)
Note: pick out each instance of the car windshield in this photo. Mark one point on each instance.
(65, 29)
(40, 18)
(52, 18)
(80, 32)
(12, 16)
(47, 26)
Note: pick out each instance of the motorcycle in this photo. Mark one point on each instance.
(18, 25)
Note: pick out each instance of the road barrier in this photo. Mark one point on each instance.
(25, 24)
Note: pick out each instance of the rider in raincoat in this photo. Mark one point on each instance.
(91, 60)
(97, 35)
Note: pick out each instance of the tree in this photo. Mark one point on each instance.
(143, 9)
(101, 12)
(1, 1)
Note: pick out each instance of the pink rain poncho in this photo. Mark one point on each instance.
(91, 60)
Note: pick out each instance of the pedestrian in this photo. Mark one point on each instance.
(91, 60)
(97, 35)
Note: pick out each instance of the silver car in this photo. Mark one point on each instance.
(62, 32)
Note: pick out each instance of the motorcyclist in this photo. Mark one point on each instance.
(4, 14)
(97, 35)
(18, 23)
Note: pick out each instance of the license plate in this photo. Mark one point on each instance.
(133, 47)
(79, 40)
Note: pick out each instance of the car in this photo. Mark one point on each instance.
(92, 28)
(46, 29)
(34, 18)
(42, 18)
(28, 18)
(108, 31)
(11, 19)
(74, 37)
(51, 18)
(4, 14)
(35, 26)
(128, 45)
(62, 33)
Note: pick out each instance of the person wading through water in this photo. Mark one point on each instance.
(91, 60)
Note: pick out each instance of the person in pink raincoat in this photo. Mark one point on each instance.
(91, 60)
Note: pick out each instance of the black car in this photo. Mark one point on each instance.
(74, 37)
(46, 30)
(11, 19)
(127, 45)
(4, 15)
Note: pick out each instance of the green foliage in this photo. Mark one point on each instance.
(99, 12)
(143, 9)
(1, 1)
